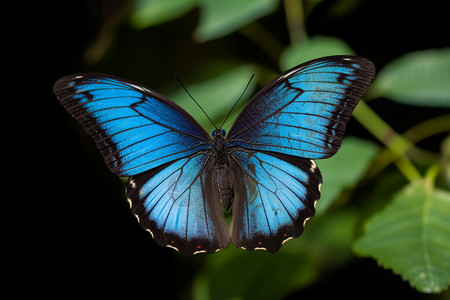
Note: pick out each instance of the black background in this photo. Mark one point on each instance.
(72, 220)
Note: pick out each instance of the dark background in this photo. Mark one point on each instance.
(80, 235)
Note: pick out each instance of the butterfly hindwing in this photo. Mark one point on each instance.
(135, 128)
(305, 110)
(178, 204)
(278, 195)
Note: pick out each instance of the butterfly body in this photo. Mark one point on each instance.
(263, 169)
(222, 165)
(225, 185)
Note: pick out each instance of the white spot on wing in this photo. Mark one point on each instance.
(132, 183)
(320, 187)
(151, 233)
(289, 238)
(198, 252)
(260, 248)
(139, 88)
(288, 74)
(304, 222)
(170, 246)
(137, 217)
(313, 166)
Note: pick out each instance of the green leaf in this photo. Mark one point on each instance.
(313, 47)
(154, 12)
(344, 169)
(419, 78)
(221, 17)
(411, 236)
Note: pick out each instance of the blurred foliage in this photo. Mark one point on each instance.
(385, 195)
(345, 169)
(420, 78)
(217, 17)
(313, 47)
(226, 86)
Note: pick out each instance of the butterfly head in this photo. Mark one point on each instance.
(219, 132)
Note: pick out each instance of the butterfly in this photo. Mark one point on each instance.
(182, 179)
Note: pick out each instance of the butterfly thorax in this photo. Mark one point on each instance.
(222, 164)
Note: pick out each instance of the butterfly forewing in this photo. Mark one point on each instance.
(304, 111)
(135, 128)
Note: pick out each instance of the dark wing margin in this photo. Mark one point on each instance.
(136, 129)
(178, 204)
(305, 110)
(278, 194)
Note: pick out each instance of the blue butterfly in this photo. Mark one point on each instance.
(182, 179)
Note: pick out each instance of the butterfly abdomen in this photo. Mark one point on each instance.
(224, 182)
(225, 187)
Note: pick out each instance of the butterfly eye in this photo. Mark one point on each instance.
(223, 132)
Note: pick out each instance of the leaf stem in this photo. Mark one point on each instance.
(295, 20)
(264, 39)
(395, 142)
(428, 128)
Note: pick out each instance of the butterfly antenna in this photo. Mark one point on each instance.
(179, 80)
(237, 100)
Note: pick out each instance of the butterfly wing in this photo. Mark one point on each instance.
(136, 129)
(278, 195)
(178, 204)
(304, 111)
(142, 133)
(299, 116)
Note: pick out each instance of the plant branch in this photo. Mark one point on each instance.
(395, 142)
(295, 20)
(264, 39)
